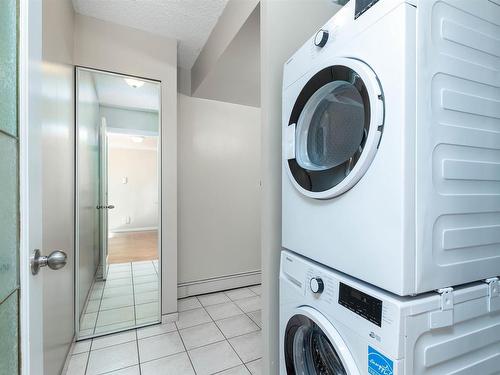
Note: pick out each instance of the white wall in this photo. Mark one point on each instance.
(107, 46)
(219, 189)
(285, 26)
(138, 197)
(57, 180)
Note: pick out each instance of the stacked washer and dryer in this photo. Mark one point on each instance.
(391, 192)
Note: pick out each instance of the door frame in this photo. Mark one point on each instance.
(30, 182)
(160, 197)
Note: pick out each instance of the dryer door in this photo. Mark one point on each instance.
(314, 347)
(334, 129)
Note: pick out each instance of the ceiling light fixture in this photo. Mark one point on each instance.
(137, 139)
(135, 83)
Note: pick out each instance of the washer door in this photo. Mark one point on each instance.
(334, 129)
(313, 346)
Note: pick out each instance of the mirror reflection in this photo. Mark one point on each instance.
(118, 202)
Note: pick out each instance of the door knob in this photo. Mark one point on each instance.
(110, 207)
(55, 261)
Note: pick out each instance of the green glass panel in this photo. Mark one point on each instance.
(9, 333)
(8, 66)
(9, 216)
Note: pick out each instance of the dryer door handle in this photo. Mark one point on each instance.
(289, 146)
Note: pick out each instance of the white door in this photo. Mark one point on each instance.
(104, 206)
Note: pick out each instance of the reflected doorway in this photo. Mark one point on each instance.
(118, 206)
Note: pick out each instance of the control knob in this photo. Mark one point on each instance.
(321, 38)
(316, 284)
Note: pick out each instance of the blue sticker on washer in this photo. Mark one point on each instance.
(379, 364)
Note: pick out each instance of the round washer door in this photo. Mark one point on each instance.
(334, 129)
(314, 347)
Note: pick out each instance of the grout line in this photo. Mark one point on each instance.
(185, 348)
(138, 352)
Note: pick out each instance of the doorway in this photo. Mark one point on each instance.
(118, 202)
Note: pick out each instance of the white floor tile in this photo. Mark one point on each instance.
(145, 279)
(134, 370)
(147, 287)
(158, 329)
(112, 358)
(255, 367)
(236, 325)
(144, 272)
(248, 347)
(213, 299)
(114, 339)
(239, 370)
(123, 314)
(81, 347)
(213, 358)
(118, 282)
(147, 310)
(117, 302)
(146, 297)
(118, 291)
(177, 364)
(116, 327)
(147, 320)
(93, 306)
(223, 310)
(160, 346)
(257, 289)
(201, 335)
(77, 364)
(249, 304)
(88, 321)
(192, 317)
(189, 303)
(256, 316)
(241, 293)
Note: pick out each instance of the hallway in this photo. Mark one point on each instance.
(216, 333)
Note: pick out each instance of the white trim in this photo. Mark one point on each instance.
(140, 229)
(24, 250)
(216, 284)
(149, 133)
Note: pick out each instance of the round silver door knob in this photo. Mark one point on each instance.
(316, 284)
(56, 260)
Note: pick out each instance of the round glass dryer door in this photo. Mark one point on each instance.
(310, 350)
(334, 129)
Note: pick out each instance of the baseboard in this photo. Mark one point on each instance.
(143, 229)
(218, 284)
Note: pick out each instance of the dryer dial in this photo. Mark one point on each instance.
(321, 38)
(317, 286)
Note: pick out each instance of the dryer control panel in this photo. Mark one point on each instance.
(361, 303)
(362, 6)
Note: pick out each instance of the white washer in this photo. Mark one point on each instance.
(347, 327)
(391, 144)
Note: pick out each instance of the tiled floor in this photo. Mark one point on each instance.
(216, 333)
(127, 298)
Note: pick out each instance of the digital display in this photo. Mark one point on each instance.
(362, 6)
(361, 303)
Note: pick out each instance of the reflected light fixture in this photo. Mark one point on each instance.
(135, 83)
(137, 139)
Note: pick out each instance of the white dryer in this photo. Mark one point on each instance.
(391, 143)
(332, 324)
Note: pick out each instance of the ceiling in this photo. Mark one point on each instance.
(188, 21)
(113, 91)
(236, 76)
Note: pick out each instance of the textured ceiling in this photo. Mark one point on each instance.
(188, 21)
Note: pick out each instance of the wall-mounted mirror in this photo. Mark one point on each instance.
(118, 202)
